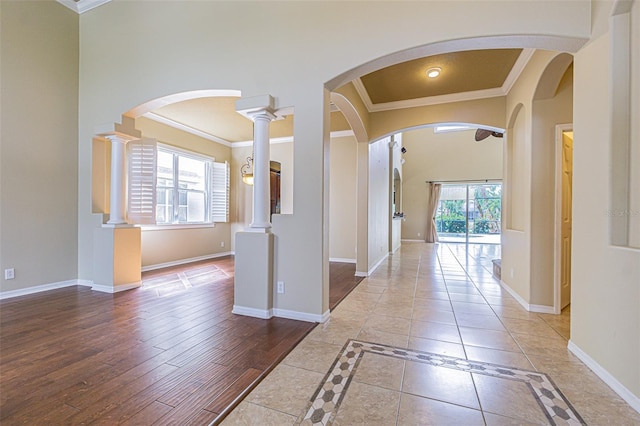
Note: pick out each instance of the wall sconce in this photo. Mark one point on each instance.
(247, 171)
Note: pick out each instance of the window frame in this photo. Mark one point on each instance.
(177, 152)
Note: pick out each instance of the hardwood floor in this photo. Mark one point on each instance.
(342, 280)
(169, 352)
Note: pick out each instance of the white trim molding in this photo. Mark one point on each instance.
(185, 128)
(40, 288)
(115, 289)
(606, 377)
(301, 316)
(341, 260)
(541, 309)
(361, 274)
(81, 6)
(252, 312)
(184, 261)
(378, 263)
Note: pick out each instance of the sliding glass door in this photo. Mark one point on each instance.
(470, 213)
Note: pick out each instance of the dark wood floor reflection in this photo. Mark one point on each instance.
(170, 352)
(342, 280)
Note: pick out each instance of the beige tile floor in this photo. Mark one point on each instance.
(439, 299)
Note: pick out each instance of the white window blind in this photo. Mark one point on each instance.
(220, 192)
(141, 188)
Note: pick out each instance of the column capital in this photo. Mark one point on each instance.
(257, 107)
(118, 137)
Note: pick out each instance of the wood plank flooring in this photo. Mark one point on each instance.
(170, 352)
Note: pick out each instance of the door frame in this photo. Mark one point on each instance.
(557, 249)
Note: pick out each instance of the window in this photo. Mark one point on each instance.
(187, 189)
(470, 213)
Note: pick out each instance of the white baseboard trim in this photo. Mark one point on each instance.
(411, 241)
(361, 274)
(612, 382)
(301, 316)
(116, 289)
(183, 261)
(541, 309)
(378, 263)
(37, 289)
(252, 312)
(341, 260)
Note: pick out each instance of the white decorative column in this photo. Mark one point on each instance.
(117, 190)
(117, 245)
(261, 161)
(254, 254)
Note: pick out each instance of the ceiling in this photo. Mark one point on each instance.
(464, 75)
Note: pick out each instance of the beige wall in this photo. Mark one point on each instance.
(634, 187)
(547, 113)
(605, 298)
(39, 151)
(342, 205)
(163, 246)
(442, 156)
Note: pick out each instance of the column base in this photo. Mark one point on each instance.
(253, 284)
(116, 258)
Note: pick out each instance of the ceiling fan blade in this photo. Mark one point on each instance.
(482, 134)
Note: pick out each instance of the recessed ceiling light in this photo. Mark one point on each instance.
(433, 72)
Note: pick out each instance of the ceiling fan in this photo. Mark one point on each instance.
(482, 134)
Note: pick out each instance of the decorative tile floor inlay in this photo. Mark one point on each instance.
(325, 402)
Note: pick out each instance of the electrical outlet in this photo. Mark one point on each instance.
(9, 274)
(418, 234)
(511, 272)
(280, 288)
(221, 243)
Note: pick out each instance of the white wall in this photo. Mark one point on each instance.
(442, 156)
(39, 144)
(379, 208)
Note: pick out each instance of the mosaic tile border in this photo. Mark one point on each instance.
(324, 404)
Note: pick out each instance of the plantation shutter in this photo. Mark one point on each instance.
(220, 192)
(141, 188)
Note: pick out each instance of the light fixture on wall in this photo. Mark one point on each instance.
(247, 171)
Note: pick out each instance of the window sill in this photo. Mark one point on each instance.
(172, 227)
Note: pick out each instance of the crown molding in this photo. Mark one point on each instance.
(81, 6)
(213, 138)
(177, 125)
(508, 83)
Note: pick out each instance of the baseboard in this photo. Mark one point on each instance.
(252, 312)
(411, 241)
(37, 289)
(378, 263)
(361, 274)
(116, 289)
(301, 316)
(612, 382)
(541, 309)
(341, 260)
(183, 261)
